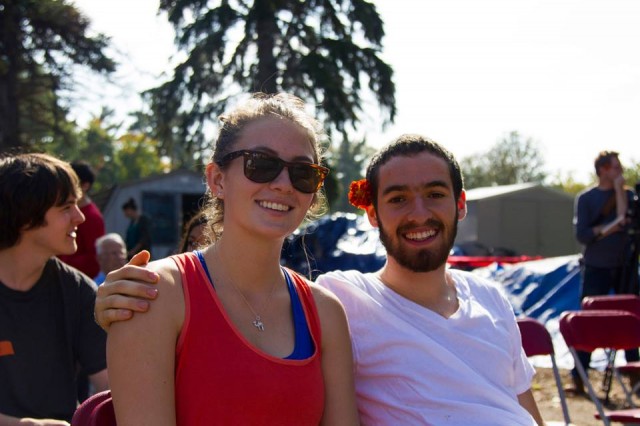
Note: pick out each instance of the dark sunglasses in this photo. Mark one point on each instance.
(260, 167)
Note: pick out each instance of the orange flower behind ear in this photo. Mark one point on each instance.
(360, 194)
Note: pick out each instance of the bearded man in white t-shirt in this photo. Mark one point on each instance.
(432, 346)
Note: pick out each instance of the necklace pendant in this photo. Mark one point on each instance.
(258, 324)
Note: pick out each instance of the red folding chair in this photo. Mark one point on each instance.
(536, 340)
(622, 302)
(589, 330)
(97, 410)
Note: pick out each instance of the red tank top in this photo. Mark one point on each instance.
(221, 379)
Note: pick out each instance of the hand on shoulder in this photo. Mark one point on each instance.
(125, 291)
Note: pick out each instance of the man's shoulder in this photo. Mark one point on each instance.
(477, 285)
(341, 275)
(472, 278)
(68, 275)
(590, 192)
(345, 279)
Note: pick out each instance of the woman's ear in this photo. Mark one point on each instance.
(215, 180)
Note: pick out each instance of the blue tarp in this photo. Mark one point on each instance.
(540, 289)
(341, 241)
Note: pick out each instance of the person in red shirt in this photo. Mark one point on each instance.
(85, 258)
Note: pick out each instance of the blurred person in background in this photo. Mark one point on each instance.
(138, 236)
(600, 225)
(112, 254)
(194, 235)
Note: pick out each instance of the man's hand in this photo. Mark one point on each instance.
(125, 291)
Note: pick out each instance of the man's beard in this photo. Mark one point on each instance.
(425, 260)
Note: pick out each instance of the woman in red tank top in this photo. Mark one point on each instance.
(219, 345)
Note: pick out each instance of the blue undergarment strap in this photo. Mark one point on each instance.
(204, 265)
(304, 343)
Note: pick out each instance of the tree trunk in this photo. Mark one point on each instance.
(9, 111)
(266, 80)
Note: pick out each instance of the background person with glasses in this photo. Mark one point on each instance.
(233, 336)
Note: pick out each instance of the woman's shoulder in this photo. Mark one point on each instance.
(350, 284)
(323, 294)
(331, 312)
(169, 304)
(167, 269)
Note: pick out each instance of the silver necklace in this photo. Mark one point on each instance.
(257, 322)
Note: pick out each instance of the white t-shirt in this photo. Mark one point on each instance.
(415, 367)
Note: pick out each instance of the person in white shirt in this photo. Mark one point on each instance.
(431, 345)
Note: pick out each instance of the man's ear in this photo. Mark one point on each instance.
(215, 180)
(462, 205)
(372, 215)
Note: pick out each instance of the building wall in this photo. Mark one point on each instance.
(556, 221)
(521, 226)
(534, 221)
(468, 227)
(162, 199)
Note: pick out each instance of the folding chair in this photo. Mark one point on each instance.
(622, 302)
(536, 340)
(589, 330)
(97, 410)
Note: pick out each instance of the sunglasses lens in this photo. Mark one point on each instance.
(261, 168)
(305, 178)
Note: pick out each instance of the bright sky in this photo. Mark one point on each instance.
(563, 72)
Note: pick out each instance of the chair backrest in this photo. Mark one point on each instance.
(97, 410)
(589, 330)
(536, 340)
(622, 302)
